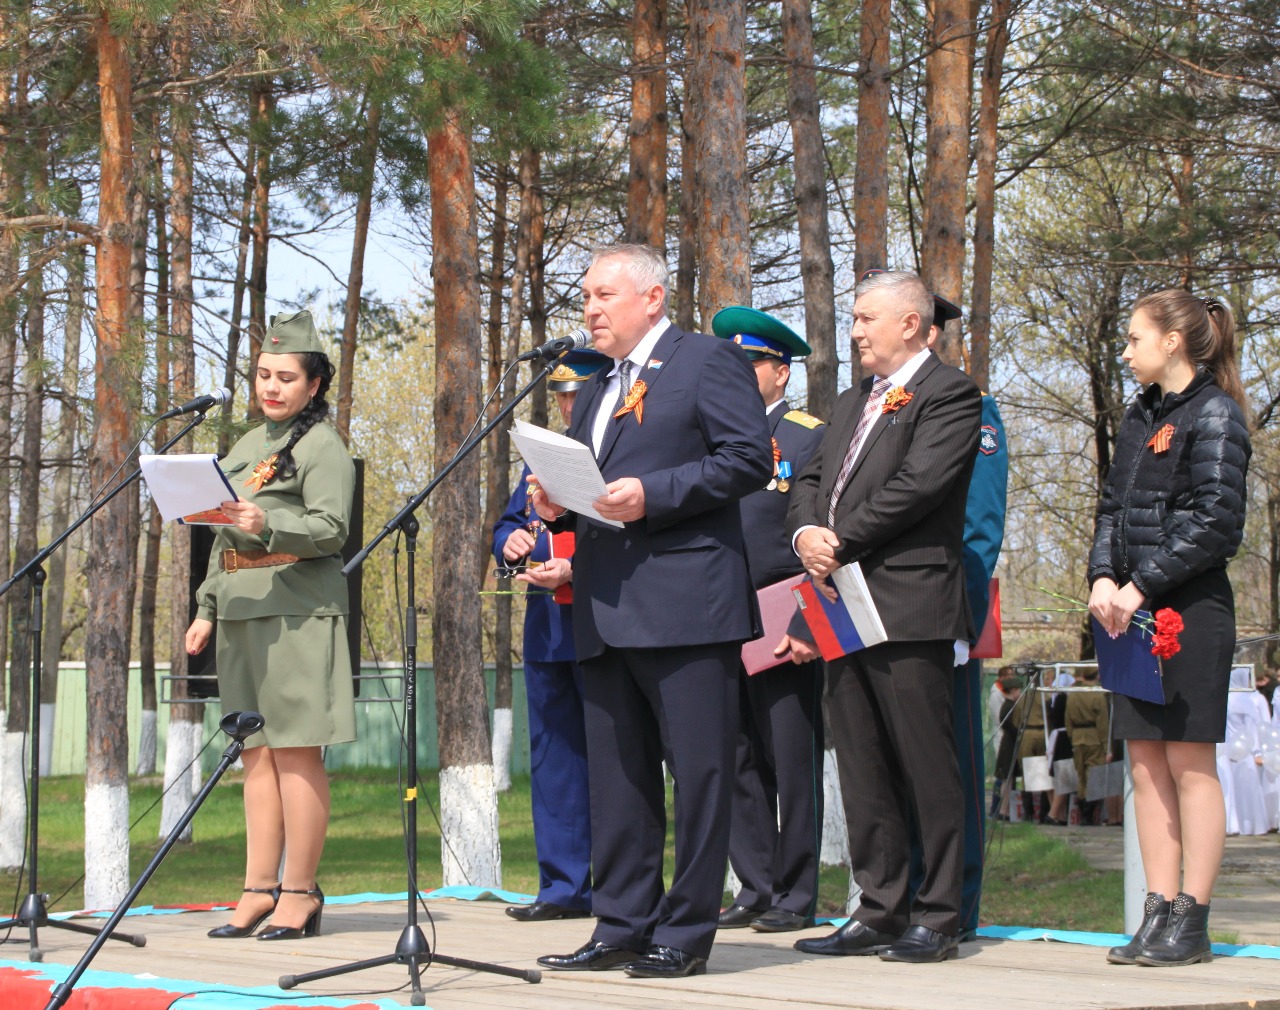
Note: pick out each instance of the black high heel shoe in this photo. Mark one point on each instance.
(309, 928)
(235, 932)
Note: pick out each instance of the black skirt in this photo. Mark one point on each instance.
(1196, 679)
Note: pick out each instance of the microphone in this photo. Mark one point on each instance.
(575, 341)
(200, 403)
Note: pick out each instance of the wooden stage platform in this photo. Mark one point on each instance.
(747, 971)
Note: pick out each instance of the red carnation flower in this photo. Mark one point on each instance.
(1164, 643)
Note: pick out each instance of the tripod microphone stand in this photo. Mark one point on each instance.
(34, 912)
(238, 726)
(412, 949)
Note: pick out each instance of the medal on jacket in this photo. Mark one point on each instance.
(1161, 439)
(784, 473)
(634, 402)
(777, 455)
(262, 473)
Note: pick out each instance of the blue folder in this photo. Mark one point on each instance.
(1125, 664)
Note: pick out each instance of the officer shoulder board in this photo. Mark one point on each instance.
(801, 418)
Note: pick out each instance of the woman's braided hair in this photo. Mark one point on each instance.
(314, 364)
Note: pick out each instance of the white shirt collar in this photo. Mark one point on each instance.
(641, 353)
(909, 368)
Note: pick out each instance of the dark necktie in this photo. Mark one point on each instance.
(869, 413)
(624, 386)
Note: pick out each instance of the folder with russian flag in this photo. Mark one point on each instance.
(849, 624)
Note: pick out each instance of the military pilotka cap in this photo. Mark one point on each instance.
(943, 311)
(759, 334)
(574, 369)
(292, 333)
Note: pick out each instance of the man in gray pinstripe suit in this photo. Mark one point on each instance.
(887, 489)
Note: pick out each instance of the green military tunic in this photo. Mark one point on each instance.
(281, 630)
(1087, 719)
(1029, 707)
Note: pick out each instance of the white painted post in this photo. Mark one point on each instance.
(1135, 881)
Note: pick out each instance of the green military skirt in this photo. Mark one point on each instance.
(295, 671)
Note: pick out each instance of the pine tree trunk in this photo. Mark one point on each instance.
(25, 548)
(13, 807)
(871, 172)
(947, 102)
(687, 253)
(238, 285)
(153, 529)
(647, 191)
(263, 103)
(717, 42)
(468, 802)
(355, 276)
(984, 212)
(538, 298)
(817, 272)
(498, 489)
(63, 454)
(186, 718)
(109, 567)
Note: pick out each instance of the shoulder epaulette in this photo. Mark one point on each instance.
(801, 418)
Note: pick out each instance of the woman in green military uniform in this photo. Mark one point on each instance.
(279, 600)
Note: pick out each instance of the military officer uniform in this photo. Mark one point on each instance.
(279, 598)
(559, 785)
(776, 822)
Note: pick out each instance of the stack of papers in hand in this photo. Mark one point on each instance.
(564, 467)
(847, 625)
(189, 488)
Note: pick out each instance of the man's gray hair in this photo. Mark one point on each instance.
(909, 291)
(645, 265)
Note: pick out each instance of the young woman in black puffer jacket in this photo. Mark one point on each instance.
(1171, 515)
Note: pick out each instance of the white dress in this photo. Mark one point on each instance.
(1246, 809)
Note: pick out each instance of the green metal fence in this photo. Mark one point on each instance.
(377, 744)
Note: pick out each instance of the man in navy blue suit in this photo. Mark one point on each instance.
(662, 606)
(553, 688)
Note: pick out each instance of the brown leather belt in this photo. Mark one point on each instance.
(232, 560)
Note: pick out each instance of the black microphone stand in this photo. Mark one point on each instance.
(238, 726)
(34, 911)
(412, 948)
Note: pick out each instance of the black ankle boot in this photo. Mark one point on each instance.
(1185, 941)
(1155, 917)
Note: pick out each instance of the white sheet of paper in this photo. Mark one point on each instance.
(565, 468)
(188, 487)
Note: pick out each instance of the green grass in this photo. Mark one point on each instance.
(1032, 878)
(364, 850)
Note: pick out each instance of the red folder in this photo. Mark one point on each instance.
(990, 644)
(562, 545)
(777, 607)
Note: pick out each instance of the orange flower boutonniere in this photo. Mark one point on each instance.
(895, 400)
(634, 402)
(1160, 440)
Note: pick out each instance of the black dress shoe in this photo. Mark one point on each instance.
(541, 911)
(922, 945)
(853, 938)
(779, 920)
(737, 916)
(666, 962)
(594, 955)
